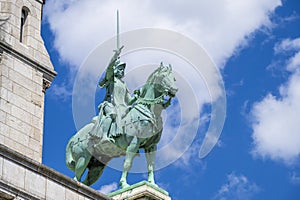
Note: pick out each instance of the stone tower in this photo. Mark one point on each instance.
(25, 73)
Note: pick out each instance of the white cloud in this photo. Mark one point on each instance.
(287, 45)
(237, 188)
(60, 92)
(219, 25)
(193, 93)
(276, 128)
(106, 189)
(294, 178)
(187, 147)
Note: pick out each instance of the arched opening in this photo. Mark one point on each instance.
(24, 26)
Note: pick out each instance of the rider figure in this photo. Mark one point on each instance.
(115, 103)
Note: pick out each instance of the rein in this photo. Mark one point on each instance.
(157, 100)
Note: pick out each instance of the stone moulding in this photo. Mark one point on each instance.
(47, 173)
(4, 188)
(48, 74)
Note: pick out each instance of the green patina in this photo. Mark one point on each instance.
(124, 124)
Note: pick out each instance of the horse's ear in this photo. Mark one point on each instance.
(163, 68)
(161, 65)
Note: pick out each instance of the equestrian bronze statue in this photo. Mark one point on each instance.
(124, 124)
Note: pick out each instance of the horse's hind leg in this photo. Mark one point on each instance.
(150, 156)
(93, 175)
(130, 154)
(95, 170)
(80, 167)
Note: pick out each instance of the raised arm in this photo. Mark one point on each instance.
(109, 74)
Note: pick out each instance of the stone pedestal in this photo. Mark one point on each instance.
(141, 191)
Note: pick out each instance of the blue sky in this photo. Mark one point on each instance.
(255, 44)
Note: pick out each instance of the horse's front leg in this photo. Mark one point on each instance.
(130, 154)
(150, 156)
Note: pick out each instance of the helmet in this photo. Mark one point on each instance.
(120, 65)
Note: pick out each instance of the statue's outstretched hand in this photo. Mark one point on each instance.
(117, 53)
(137, 92)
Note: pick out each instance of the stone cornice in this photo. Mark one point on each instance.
(14, 190)
(48, 74)
(50, 174)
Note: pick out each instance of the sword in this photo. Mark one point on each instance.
(119, 48)
(118, 30)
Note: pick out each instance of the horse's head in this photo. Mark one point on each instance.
(163, 80)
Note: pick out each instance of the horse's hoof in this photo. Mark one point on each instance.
(153, 183)
(124, 185)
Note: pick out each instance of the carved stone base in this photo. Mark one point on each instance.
(141, 191)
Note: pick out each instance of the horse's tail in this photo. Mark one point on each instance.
(70, 162)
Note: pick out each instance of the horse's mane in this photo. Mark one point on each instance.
(160, 71)
(155, 78)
